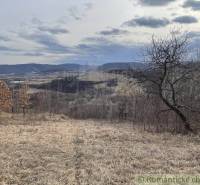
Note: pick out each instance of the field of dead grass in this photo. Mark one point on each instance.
(60, 151)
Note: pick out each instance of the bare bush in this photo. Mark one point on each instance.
(171, 78)
(24, 97)
(5, 97)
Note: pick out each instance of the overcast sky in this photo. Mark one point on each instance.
(89, 31)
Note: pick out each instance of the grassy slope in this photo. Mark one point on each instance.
(57, 152)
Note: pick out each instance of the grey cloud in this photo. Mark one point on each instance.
(155, 2)
(36, 21)
(193, 34)
(88, 41)
(98, 50)
(53, 30)
(46, 27)
(185, 19)
(74, 13)
(3, 38)
(195, 43)
(7, 49)
(48, 41)
(78, 13)
(88, 6)
(113, 32)
(33, 54)
(195, 5)
(148, 22)
(94, 50)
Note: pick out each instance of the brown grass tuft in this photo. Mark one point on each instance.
(63, 151)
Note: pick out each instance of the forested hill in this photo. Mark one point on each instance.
(22, 69)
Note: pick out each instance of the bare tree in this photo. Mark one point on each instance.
(24, 97)
(168, 75)
(5, 97)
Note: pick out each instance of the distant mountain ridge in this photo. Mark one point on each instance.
(121, 66)
(21, 69)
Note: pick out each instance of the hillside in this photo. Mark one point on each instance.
(73, 84)
(60, 151)
(22, 69)
(39, 68)
(121, 66)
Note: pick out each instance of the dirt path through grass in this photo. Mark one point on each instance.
(113, 154)
(72, 152)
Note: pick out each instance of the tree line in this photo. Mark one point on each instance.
(163, 96)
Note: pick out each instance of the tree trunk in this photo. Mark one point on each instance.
(183, 118)
(188, 127)
(24, 112)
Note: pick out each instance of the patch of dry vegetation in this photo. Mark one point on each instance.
(113, 154)
(36, 154)
(58, 151)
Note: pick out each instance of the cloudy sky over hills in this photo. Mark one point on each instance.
(89, 31)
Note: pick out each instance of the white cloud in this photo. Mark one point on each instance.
(52, 30)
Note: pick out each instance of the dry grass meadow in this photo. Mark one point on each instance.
(61, 151)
